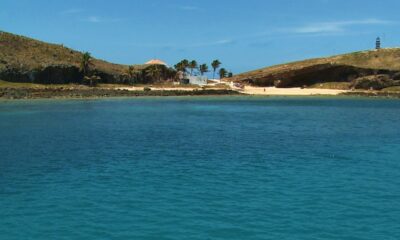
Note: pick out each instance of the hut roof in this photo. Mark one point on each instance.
(156, 62)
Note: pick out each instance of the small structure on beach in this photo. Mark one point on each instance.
(193, 80)
(198, 80)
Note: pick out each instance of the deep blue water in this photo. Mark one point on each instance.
(200, 168)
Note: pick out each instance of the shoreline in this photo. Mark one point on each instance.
(272, 91)
(95, 93)
(310, 92)
(26, 93)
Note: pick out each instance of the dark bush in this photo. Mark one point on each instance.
(375, 82)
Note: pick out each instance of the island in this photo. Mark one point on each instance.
(34, 69)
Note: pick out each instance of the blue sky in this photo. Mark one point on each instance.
(244, 35)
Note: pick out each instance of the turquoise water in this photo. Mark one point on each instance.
(200, 168)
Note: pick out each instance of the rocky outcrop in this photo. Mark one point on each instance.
(310, 75)
(341, 68)
(58, 75)
(375, 82)
(54, 74)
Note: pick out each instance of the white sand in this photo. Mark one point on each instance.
(289, 91)
(158, 88)
(268, 91)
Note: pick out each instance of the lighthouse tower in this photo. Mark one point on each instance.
(378, 43)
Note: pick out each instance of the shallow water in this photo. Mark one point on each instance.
(200, 168)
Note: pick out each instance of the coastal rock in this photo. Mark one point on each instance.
(336, 69)
(61, 74)
(315, 74)
(375, 82)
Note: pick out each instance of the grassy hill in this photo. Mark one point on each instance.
(22, 52)
(26, 60)
(341, 68)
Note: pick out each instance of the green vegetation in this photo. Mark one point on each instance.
(133, 75)
(28, 61)
(182, 65)
(25, 54)
(85, 63)
(203, 69)
(192, 66)
(222, 73)
(215, 65)
(154, 73)
(87, 92)
(374, 82)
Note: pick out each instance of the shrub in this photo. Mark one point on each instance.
(375, 82)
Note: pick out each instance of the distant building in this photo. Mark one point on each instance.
(156, 62)
(378, 43)
(194, 80)
(198, 80)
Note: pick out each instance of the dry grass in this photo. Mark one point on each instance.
(388, 59)
(5, 84)
(332, 85)
(27, 53)
(391, 89)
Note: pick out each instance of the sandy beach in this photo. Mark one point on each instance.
(158, 88)
(249, 90)
(289, 91)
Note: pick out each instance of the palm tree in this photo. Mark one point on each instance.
(192, 66)
(154, 72)
(85, 63)
(215, 65)
(179, 67)
(185, 63)
(131, 71)
(222, 73)
(203, 69)
(182, 65)
(133, 74)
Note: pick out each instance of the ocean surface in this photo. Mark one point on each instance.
(200, 168)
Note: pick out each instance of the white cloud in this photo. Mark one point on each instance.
(223, 41)
(214, 43)
(337, 26)
(72, 11)
(93, 19)
(97, 19)
(185, 46)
